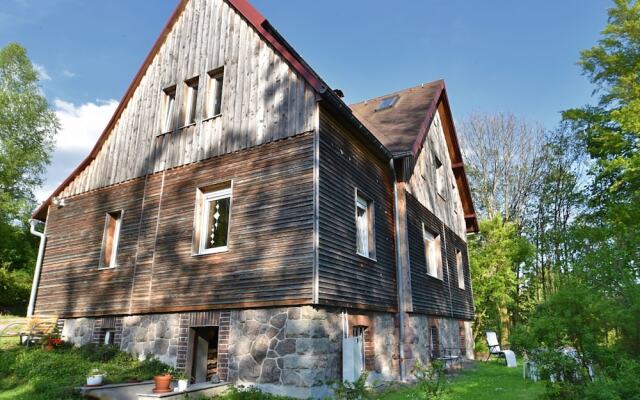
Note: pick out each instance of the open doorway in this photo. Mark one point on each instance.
(204, 357)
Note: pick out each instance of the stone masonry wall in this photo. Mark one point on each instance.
(292, 351)
(152, 335)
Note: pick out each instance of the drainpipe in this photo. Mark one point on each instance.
(36, 274)
(399, 276)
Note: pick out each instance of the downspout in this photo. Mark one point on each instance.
(36, 274)
(399, 277)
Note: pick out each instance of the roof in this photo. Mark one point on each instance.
(403, 127)
(398, 127)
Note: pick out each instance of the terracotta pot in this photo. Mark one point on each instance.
(48, 347)
(162, 383)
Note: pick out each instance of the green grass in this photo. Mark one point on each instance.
(484, 381)
(36, 374)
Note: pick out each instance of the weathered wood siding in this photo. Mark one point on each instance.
(429, 294)
(422, 184)
(270, 256)
(263, 100)
(346, 278)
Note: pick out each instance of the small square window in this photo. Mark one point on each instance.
(387, 102)
(215, 214)
(168, 108)
(460, 268)
(110, 239)
(433, 255)
(365, 235)
(214, 92)
(191, 101)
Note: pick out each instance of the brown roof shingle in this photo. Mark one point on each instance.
(399, 126)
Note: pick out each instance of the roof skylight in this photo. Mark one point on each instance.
(387, 102)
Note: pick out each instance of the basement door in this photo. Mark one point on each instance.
(204, 359)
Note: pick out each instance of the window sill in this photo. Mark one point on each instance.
(212, 117)
(435, 277)
(106, 268)
(187, 126)
(212, 251)
(366, 257)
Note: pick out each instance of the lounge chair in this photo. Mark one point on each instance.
(495, 350)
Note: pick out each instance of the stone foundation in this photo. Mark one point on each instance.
(291, 350)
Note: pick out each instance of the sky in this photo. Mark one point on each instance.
(494, 55)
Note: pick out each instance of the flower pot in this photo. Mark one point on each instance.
(95, 380)
(162, 383)
(183, 384)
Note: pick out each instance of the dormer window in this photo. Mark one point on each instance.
(387, 102)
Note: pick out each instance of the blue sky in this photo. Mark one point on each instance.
(504, 55)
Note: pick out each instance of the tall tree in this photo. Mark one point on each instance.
(27, 130)
(503, 157)
(610, 131)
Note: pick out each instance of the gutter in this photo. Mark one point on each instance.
(36, 274)
(399, 278)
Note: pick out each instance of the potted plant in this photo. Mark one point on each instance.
(183, 381)
(163, 381)
(95, 377)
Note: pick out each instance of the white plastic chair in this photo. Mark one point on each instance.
(495, 350)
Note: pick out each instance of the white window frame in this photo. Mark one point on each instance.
(169, 108)
(430, 248)
(460, 269)
(361, 204)
(215, 88)
(204, 235)
(191, 98)
(113, 257)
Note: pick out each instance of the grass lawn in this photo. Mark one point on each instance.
(36, 374)
(484, 381)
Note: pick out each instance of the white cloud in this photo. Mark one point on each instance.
(42, 72)
(68, 73)
(81, 125)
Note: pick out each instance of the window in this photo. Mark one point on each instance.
(110, 239)
(214, 222)
(435, 341)
(462, 338)
(432, 253)
(109, 337)
(364, 227)
(214, 93)
(359, 334)
(387, 102)
(169, 105)
(460, 267)
(440, 177)
(191, 100)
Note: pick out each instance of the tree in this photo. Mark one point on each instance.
(496, 252)
(610, 132)
(503, 158)
(27, 130)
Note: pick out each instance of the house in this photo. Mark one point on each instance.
(237, 218)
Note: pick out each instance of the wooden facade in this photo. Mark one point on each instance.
(263, 100)
(345, 277)
(270, 255)
(294, 163)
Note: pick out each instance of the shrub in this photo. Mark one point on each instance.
(357, 390)
(432, 380)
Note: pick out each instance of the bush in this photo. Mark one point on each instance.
(432, 380)
(357, 390)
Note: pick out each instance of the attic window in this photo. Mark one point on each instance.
(387, 102)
